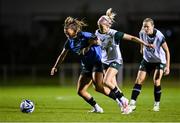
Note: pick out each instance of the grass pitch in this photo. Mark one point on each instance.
(62, 104)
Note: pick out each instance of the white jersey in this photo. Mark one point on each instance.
(110, 48)
(157, 54)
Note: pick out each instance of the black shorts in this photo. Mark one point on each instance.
(113, 65)
(89, 69)
(149, 67)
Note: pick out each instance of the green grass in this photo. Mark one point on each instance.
(62, 104)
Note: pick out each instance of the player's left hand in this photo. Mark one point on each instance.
(53, 70)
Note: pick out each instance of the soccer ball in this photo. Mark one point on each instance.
(27, 106)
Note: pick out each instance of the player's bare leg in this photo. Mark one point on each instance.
(83, 83)
(110, 81)
(100, 87)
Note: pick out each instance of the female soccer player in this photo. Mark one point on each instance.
(155, 59)
(85, 45)
(111, 55)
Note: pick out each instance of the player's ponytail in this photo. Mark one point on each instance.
(110, 14)
(107, 19)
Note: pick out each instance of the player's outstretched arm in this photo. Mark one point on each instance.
(137, 40)
(59, 60)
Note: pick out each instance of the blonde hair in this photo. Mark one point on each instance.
(74, 23)
(107, 19)
(110, 14)
(149, 20)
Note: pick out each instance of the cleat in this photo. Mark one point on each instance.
(133, 107)
(156, 108)
(127, 110)
(96, 110)
(124, 102)
(121, 107)
(132, 104)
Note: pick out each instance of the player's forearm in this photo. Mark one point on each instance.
(91, 42)
(166, 50)
(94, 42)
(85, 50)
(60, 59)
(137, 40)
(167, 59)
(134, 39)
(58, 62)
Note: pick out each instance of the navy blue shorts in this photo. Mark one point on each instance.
(89, 69)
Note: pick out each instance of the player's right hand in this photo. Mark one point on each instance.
(53, 70)
(150, 45)
(94, 42)
(166, 71)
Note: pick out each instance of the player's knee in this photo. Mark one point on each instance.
(157, 82)
(106, 83)
(80, 93)
(99, 88)
(139, 81)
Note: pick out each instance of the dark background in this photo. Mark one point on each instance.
(32, 30)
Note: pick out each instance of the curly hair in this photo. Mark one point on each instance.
(74, 23)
